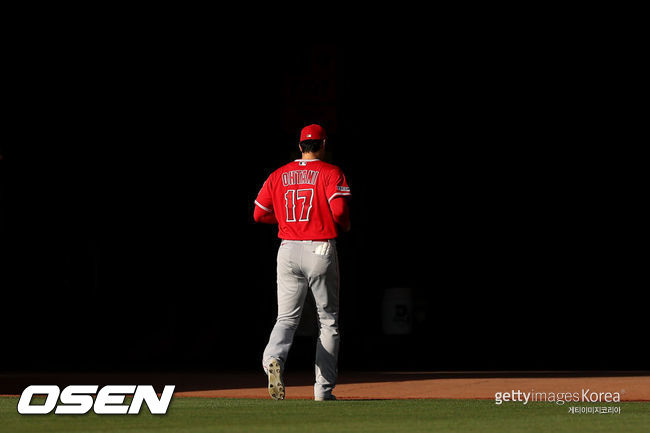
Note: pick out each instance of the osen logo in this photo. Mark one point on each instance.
(77, 399)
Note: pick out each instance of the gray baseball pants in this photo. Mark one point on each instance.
(304, 265)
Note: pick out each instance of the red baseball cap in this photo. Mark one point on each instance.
(312, 132)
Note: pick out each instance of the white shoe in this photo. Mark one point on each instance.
(331, 397)
(276, 387)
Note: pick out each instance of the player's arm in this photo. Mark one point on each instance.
(264, 215)
(263, 212)
(341, 213)
(338, 192)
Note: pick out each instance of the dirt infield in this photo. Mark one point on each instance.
(632, 386)
(423, 385)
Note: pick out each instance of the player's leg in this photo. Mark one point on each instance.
(291, 292)
(324, 282)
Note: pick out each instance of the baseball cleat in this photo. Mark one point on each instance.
(276, 387)
(331, 397)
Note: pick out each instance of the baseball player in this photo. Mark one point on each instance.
(307, 198)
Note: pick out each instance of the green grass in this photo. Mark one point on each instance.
(394, 416)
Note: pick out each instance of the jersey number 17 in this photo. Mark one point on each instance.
(305, 197)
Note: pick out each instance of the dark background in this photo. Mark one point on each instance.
(485, 173)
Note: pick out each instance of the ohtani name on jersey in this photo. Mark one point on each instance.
(299, 177)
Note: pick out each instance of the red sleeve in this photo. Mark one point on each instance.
(264, 204)
(336, 185)
(341, 213)
(264, 198)
(262, 216)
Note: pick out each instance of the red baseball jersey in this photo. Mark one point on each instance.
(299, 194)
